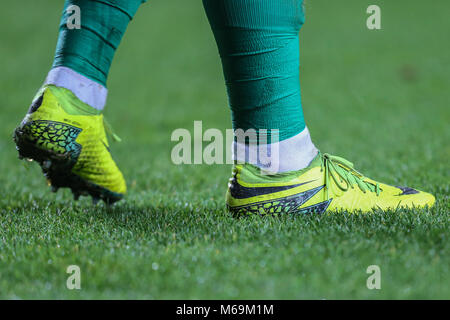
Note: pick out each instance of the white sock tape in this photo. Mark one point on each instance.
(87, 90)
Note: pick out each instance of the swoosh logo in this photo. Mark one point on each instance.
(286, 205)
(240, 192)
(407, 191)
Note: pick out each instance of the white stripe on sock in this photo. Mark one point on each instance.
(87, 90)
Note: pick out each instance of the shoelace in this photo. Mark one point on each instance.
(110, 131)
(345, 171)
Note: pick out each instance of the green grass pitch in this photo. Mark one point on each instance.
(379, 98)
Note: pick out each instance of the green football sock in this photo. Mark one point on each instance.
(90, 50)
(259, 46)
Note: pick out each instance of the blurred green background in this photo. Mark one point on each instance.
(379, 98)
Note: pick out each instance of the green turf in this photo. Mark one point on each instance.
(378, 98)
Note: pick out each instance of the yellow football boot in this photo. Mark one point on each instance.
(329, 183)
(67, 138)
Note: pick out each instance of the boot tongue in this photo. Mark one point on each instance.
(316, 161)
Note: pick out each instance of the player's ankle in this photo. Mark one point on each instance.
(69, 102)
(86, 90)
(291, 154)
